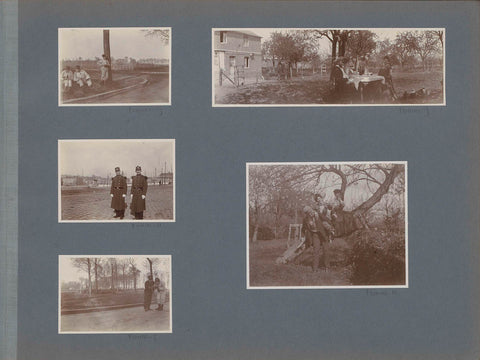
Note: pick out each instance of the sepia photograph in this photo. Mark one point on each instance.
(115, 294)
(327, 225)
(114, 66)
(119, 180)
(328, 67)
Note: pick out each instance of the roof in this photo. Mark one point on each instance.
(247, 32)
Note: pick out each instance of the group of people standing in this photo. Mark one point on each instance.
(321, 224)
(138, 193)
(156, 291)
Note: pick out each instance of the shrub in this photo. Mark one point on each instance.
(377, 258)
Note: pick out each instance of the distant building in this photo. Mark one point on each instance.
(238, 55)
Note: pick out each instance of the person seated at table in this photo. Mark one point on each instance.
(385, 71)
(362, 66)
(342, 82)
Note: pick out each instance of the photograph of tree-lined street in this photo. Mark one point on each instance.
(378, 66)
(114, 66)
(327, 224)
(116, 180)
(110, 294)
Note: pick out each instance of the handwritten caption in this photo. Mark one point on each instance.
(142, 337)
(418, 111)
(136, 110)
(139, 225)
(381, 292)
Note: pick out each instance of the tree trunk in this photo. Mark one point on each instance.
(334, 56)
(382, 190)
(255, 233)
(96, 275)
(150, 263)
(106, 51)
(89, 277)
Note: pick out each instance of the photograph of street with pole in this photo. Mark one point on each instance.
(116, 180)
(114, 66)
(115, 294)
(321, 67)
(327, 225)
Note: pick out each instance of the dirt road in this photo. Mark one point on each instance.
(130, 319)
(155, 91)
(94, 204)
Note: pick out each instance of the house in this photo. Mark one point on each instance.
(237, 55)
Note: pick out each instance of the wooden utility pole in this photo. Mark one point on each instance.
(106, 51)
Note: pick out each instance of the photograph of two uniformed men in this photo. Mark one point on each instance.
(113, 180)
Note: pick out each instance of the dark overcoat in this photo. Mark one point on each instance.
(139, 188)
(118, 188)
(309, 230)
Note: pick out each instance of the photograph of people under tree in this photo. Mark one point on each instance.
(327, 224)
(377, 66)
(115, 294)
(114, 66)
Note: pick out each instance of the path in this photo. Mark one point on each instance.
(130, 319)
(94, 204)
(156, 91)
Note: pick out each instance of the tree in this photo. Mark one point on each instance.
(106, 51)
(405, 46)
(367, 182)
(97, 270)
(426, 44)
(291, 47)
(134, 271)
(338, 40)
(162, 34)
(361, 43)
(85, 264)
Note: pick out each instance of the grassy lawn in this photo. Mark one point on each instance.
(121, 79)
(351, 263)
(265, 272)
(75, 300)
(316, 89)
(80, 300)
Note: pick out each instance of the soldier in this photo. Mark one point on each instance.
(81, 77)
(118, 192)
(67, 77)
(138, 194)
(147, 292)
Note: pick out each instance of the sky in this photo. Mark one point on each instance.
(70, 273)
(100, 157)
(131, 42)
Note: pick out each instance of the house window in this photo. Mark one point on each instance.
(246, 62)
(245, 40)
(223, 37)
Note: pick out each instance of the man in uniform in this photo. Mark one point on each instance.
(118, 192)
(147, 292)
(138, 194)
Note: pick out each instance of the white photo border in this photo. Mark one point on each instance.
(444, 103)
(59, 89)
(59, 183)
(249, 287)
(59, 313)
